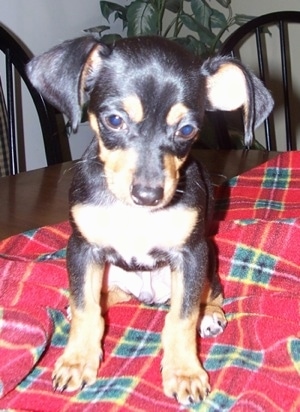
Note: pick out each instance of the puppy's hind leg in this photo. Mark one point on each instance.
(111, 293)
(79, 363)
(113, 296)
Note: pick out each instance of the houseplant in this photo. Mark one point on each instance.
(196, 24)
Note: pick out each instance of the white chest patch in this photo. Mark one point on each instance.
(134, 231)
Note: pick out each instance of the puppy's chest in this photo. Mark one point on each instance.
(134, 232)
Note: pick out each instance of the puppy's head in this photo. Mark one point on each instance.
(146, 100)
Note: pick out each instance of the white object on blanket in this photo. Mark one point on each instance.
(147, 286)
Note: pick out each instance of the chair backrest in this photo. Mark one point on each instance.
(54, 135)
(262, 31)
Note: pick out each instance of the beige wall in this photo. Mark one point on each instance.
(257, 7)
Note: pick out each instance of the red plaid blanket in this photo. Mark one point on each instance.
(254, 365)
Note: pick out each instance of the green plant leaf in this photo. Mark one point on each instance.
(202, 12)
(123, 18)
(205, 35)
(218, 20)
(110, 38)
(189, 22)
(174, 5)
(241, 19)
(205, 24)
(192, 44)
(108, 8)
(97, 29)
(142, 18)
(224, 3)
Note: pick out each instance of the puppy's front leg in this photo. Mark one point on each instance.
(182, 374)
(79, 363)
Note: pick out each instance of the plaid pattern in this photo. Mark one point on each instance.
(270, 191)
(4, 149)
(253, 365)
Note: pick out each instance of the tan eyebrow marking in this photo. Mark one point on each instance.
(134, 108)
(176, 113)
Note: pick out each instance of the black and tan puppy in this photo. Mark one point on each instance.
(138, 200)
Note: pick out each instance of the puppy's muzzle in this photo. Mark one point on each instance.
(146, 195)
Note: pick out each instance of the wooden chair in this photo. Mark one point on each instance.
(261, 31)
(52, 126)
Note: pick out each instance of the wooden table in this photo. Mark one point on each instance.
(40, 197)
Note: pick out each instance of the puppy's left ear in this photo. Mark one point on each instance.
(229, 86)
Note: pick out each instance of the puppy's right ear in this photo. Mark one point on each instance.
(63, 74)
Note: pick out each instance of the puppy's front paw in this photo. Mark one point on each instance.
(187, 386)
(212, 324)
(74, 370)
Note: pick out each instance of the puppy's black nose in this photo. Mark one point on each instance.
(146, 196)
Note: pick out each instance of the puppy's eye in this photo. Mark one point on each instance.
(187, 131)
(115, 122)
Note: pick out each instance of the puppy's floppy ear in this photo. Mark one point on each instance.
(64, 73)
(229, 85)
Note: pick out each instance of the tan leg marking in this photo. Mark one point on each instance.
(212, 320)
(182, 374)
(79, 363)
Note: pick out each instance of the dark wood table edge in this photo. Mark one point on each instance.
(40, 197)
